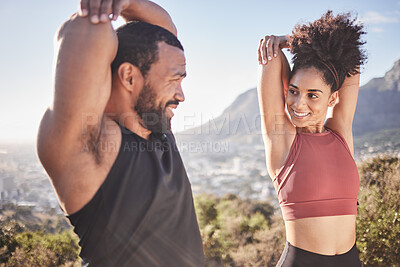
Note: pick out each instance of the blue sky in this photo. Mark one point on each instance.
(220, 40)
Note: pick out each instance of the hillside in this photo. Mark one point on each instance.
(235, 231)
(378, 105)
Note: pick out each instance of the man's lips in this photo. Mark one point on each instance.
(170, 109)
(173, 106)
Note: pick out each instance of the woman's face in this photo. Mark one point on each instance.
(308, 98)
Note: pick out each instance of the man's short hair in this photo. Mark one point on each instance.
(138, 44)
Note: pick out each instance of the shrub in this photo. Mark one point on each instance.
(21, 247)
(238, 232)
(8, 244)
(378, 220)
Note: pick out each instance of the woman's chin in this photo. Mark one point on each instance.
(299, 122)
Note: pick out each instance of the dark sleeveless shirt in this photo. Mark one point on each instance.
(143, 213)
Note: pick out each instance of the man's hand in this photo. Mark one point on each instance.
(100, 10)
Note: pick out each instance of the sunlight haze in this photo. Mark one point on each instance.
(220, 40)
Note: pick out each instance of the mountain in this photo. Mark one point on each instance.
(378, 108)
(239, 123)
(390, 82)
(378, 105)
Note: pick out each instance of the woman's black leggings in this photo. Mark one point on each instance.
(297, 257)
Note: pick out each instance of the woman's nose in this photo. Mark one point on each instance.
(301, 101)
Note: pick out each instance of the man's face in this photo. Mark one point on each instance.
(162, 91)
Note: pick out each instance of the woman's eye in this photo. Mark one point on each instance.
(312, 96)
(292, 91)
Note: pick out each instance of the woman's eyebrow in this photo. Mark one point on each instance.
(309, 90)
(315, 90)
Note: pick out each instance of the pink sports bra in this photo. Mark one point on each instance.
(318, 178)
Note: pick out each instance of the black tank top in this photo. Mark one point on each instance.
(143, 213)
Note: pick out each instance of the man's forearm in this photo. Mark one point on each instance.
(149, 12)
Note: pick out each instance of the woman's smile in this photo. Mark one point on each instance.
(300, 115)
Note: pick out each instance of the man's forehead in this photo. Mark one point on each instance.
(168, 51)
(172, 57)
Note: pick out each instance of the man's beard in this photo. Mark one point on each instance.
(153, 117)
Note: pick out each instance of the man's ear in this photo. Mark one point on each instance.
(130, 77)
(333, 99)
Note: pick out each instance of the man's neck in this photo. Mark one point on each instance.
(132, 123)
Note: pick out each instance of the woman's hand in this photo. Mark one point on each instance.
(100, 10)
(269, 45)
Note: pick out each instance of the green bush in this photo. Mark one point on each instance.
(378, 220)
(8, 244)
(61, 248)
(235, 232)
(238, 232)
(21, 247)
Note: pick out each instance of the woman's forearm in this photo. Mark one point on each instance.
(285, 72)
(273, 83)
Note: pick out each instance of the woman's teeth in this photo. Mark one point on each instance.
(300, 114)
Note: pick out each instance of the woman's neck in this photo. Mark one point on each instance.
(311, 129)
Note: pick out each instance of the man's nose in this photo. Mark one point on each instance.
(179, 95)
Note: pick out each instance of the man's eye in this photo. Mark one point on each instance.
(312, 96)
(292, 91)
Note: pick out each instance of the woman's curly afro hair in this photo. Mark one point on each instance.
(333, 41)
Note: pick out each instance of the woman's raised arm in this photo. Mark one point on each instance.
(274, 72)
(343, 112)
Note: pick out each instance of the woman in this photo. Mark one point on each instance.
(309, 157)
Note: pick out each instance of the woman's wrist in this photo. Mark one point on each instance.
(284, 41)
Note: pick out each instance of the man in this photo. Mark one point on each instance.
(106, 142)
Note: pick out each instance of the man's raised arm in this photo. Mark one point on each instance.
(82, 86)
(82, 81)
(142, 10)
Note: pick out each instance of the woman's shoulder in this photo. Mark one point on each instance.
(344, 135)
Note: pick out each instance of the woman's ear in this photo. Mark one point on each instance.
(333, 99)
(130, 77)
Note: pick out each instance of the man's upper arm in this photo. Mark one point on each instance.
(82, 85)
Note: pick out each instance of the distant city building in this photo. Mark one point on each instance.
(8, 190)
(7, 183)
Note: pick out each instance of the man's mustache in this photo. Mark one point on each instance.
(172, 102)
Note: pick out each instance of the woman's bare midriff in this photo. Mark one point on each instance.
(329, 235)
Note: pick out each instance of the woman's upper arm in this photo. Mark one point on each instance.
(343, 112)
(348, 94)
